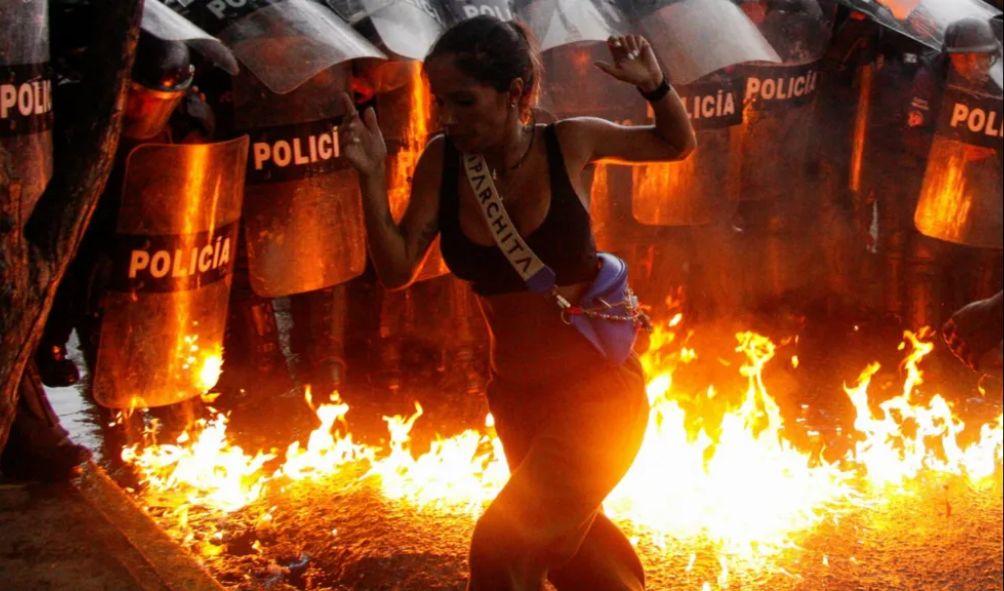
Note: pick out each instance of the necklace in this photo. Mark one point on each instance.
(529, 146)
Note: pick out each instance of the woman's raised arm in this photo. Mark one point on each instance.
(396, 250)
(671, 138)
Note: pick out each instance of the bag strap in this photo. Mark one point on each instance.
(535, 273)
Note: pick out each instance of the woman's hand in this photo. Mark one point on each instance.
(361, 140)
(634, 62)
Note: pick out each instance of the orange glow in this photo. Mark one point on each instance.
(697, 190)
(683, 485)
(738, 482)
(162, 348)
(904, 438)
(861, 125)
(944, 201)
(599, 207)
(402, 163)
(329, 446)
(209, 373)
(461, 473)
(659, 191)
(900, 9)
(200, 470)
(961, 186)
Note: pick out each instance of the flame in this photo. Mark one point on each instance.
(685, 485)
(328, 449)
(462, 473)
(904, 438)
(207, 470)
(733, 478)
(403, 160)
(209, 373)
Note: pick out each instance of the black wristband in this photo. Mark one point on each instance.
(657, 94)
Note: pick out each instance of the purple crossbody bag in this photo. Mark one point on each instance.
(607, 315)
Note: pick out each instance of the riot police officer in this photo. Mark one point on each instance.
(161, 78)
(39, 447)
(955, 257)
(776, 208)
(842, 115)
(895, 157)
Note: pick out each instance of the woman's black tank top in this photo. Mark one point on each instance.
(563, 241)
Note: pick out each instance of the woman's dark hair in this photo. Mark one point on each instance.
(494, 52)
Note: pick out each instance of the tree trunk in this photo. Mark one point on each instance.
(85, 138)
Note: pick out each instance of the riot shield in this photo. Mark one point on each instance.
(406, 121)
(694, 38)
(26, 101)
(407, 28)
(573, 86)
(303, 218)
(962, 197)
(778, 102)
(778, 163)
(459, 10)
(164, 315)
(704, 187)
(777, 128)
(560, 22)
(924, 21)
(283, 43)
(167, 25)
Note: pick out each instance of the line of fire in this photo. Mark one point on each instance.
(199, 354)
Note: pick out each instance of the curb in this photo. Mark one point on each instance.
(161, 563)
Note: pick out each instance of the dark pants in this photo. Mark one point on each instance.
(568, 439)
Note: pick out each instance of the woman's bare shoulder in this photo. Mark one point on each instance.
(577, 136)
(582, 125)
(428, 171)
(435, 147)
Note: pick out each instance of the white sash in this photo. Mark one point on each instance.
(537, 275)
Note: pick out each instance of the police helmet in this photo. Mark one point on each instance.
(970, 35)
(161, 75)
(162, 65)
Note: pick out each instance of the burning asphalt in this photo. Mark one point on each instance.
(736, 487)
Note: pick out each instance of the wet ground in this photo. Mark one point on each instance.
(338, 534)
